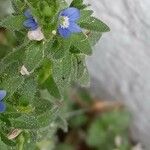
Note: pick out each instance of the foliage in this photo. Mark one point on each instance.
(92, 129)
(36, 100)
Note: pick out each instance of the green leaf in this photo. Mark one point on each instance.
(59, 48)
(94, 37)
(91, 23)
(3, 145)
(62, 73)
(46, 80)
(17, 54)
(80, 41)
(4, 50)
(42, 105)
(80, 73)
(18, 6)
(85, 79)
(78, 67)
(6, 140)
(62, 4)
(28, 91)
(12, 112)
(78, 4)
(94, 24)
(52, 87)
(20, 36)
(45, 71)
(104, 129)
(34, 56)
(85, 14)
(34, 121)
(46, 144)
(12, 83)
(11, 80)
(54, 63)
(13, 22)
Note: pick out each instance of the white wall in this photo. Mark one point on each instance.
(120, 65)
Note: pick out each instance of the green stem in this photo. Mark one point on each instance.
(21, 142)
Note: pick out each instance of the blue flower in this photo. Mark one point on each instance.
(2, 105)
(30, 23)
(67, 21)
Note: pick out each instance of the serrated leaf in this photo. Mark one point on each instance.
(80, 41)
(59, 48)
(12, 112)
(80, 73)
(34, 56)
(78, 66)
(5, 140)
(46, 80)
(28, 90)
(17, 54)
(34, 121)
(62, 4)
(13, 22)
(17, 6)
(62, 73)
(93, 37)
(52, 87)
(68, 70)
(85, 79)
(11, 80)
(85, 14)
(78, 4)
(94, 24)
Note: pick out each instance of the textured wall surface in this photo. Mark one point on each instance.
(120, 65)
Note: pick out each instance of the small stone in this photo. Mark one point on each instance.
(137, 147)
(36, 35)
(14, 133)
(118, 140)
(24, 71)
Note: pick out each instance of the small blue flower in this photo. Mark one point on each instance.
(67, 22)
(30, 23)
(2, 105)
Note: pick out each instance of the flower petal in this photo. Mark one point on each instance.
(64, 32)
(72, 13)
(28, 14)
(2, 107)
(2, 94)
(73, 27)
(30, 23)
